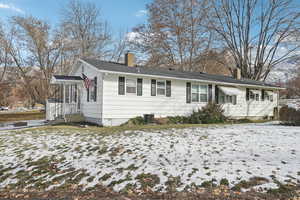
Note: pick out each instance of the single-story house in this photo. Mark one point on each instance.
(108, 93)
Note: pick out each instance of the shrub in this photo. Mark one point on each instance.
(224, 181)
(211, 113)
(136, 121)
(178, 120)
(289, 116)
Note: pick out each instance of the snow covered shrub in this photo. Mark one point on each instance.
(289, 116)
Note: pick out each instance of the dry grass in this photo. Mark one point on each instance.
(19, 116)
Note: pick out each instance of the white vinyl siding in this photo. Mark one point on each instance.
(118, 109)
(92, 111)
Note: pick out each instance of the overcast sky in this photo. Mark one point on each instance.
(122, 15)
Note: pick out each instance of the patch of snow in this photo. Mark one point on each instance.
(234, 152)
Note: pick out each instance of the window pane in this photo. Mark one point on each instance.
(195, 88)
(203, 97)
(130, 90)
(195, 97)
(131, 86)
(161, 88)
(92, 90)
(203, 89)
(161, 84)
(222, 99)
(161, 91)
(234, 99)
(257, 97)
(252, 95)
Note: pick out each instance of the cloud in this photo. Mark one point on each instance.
(141, 13)
(11, 7)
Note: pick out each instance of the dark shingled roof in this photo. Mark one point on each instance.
(117, 67)
(69, 78)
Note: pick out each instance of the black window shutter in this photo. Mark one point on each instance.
(168, 93)
(75, 93)
(247, 94)
(121, 85)
(88, 94)
(217, 94)
(153, 87)
(95, 89)
(188, 92)
(262, 95)
(210, 93)
(139, 87)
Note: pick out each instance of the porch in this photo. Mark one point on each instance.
(65, 105)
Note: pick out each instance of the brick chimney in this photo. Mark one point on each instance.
(129, 59)
(237, 74)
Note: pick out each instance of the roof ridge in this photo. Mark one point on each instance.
(159, 71)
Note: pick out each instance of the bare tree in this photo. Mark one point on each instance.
(35, 52)
(175, 35)
(3, 55)
(258, 33)
(85, 31)
(119, 47)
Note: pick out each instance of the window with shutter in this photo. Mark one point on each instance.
(139, 87)
(153, 87)
(121, 85)
(188, 92)
(169, 88)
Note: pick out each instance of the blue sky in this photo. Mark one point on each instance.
(122, 15)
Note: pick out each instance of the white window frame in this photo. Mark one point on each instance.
(228, 99)
(165, 88)
(269, 97)
(92, 91)
(199, 92)
(127, 93)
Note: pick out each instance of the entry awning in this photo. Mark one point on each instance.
(56, 79)
(230, 90)
(255, 91)
(269, 92)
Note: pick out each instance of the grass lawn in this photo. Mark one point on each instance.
(19, 116)
(241, 161)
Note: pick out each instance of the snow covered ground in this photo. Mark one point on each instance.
(179, 158)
